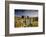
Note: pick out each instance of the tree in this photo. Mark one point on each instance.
(22, 16)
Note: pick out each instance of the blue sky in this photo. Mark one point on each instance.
(30, 13)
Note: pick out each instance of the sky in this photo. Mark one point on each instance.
(30, 13)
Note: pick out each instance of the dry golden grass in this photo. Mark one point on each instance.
(19, 22)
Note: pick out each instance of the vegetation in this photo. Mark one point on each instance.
(26, 21)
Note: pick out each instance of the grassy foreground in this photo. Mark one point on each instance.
(26, 22)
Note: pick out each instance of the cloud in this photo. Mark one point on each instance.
(30, 13)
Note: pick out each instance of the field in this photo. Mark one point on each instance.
(26, 21)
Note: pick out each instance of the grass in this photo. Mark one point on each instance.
(25, 22)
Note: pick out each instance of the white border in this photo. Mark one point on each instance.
(13, 30)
